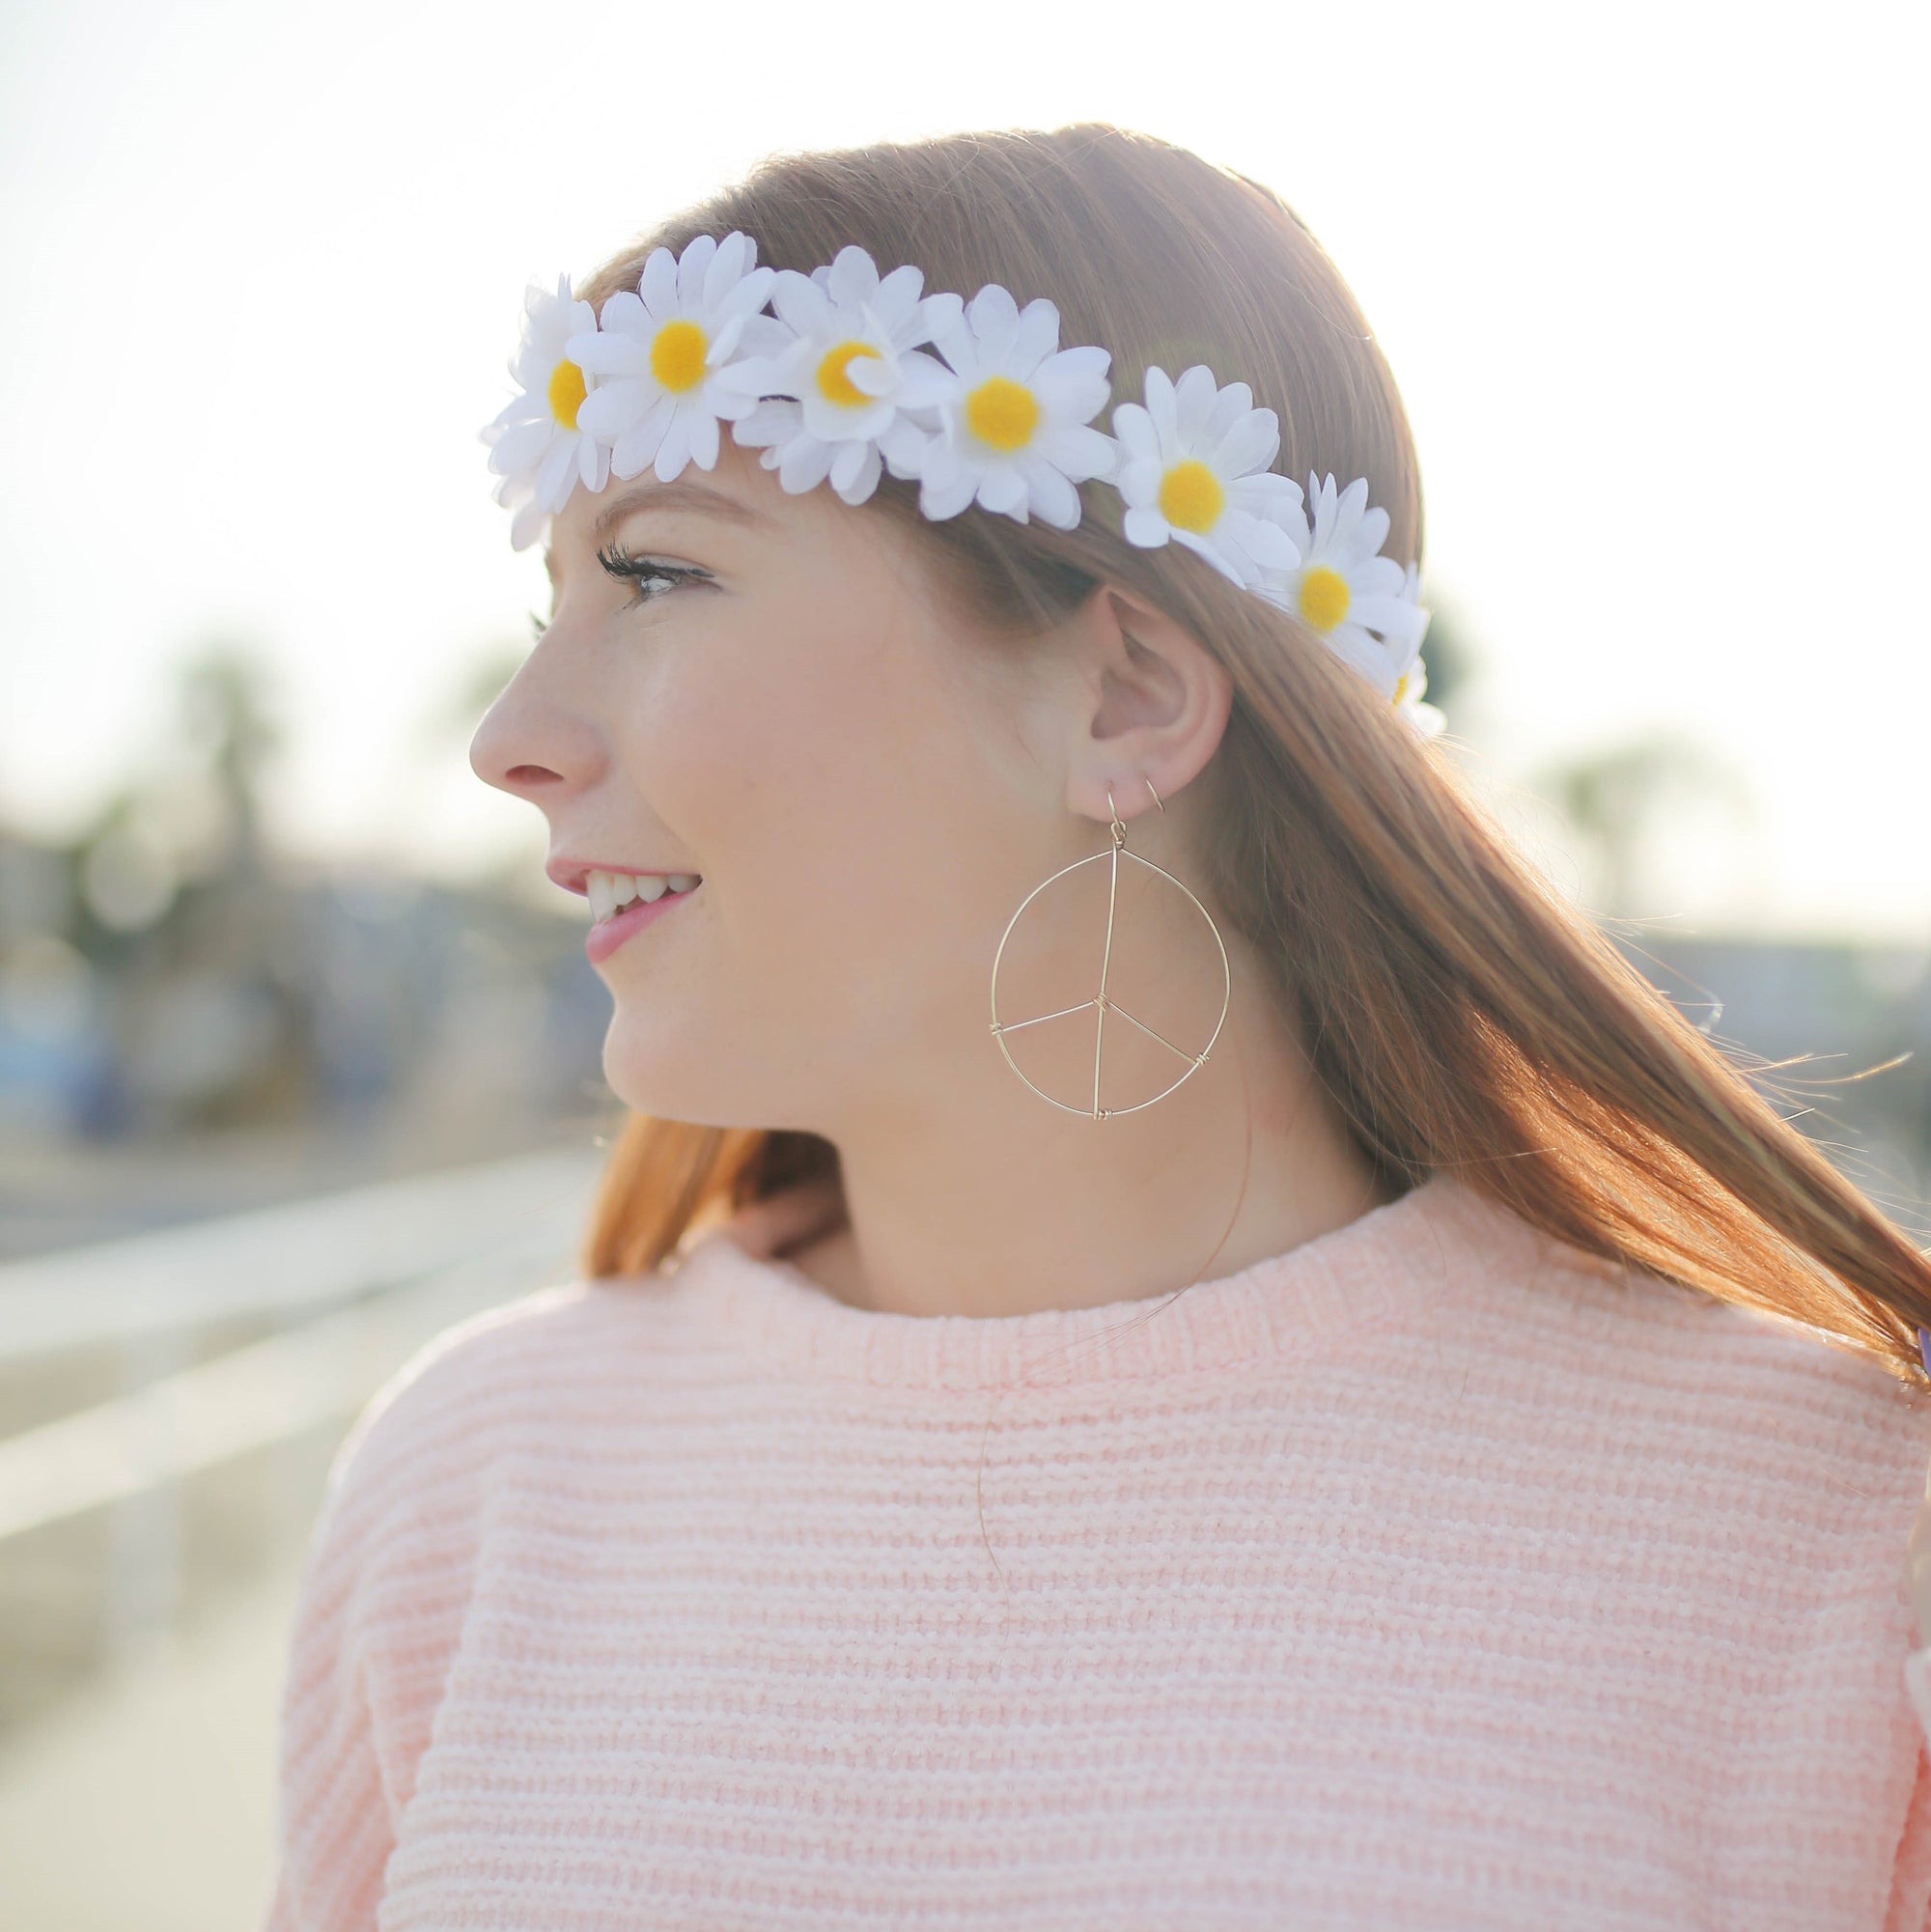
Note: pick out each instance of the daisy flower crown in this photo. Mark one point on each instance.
(842, 375)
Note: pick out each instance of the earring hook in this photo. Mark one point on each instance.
(1119, 829)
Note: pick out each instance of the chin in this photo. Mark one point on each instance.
(657, 1069)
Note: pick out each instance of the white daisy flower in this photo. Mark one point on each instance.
(1193, 470)
(537, 445)
(1410, 689)
(1014, 435)
(660, 353)
(849, 378)
(1362, 603)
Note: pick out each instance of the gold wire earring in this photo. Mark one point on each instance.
(1102, 1001)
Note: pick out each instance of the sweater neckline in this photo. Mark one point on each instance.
(1379, 1270)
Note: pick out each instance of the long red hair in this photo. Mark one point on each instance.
(1461, 1014)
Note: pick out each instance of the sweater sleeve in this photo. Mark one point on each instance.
(385, 1588)
(1910, 1884)
(336, 1828)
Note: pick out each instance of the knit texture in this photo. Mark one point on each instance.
(1428, 1574)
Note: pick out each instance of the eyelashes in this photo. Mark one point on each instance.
(652, 576)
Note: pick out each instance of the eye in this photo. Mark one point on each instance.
(652, 576)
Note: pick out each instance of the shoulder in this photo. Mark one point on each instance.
(483, 1389)
(1736, 1418)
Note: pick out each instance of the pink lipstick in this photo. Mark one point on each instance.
(607, 935)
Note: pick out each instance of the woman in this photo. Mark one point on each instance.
(1428, 1447)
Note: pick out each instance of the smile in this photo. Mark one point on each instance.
(625, 903)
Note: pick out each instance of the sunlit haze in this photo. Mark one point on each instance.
(1650, 279)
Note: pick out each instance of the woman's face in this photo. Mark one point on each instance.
(769, 692)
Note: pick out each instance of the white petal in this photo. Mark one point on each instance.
(940, 500)
(752, 376)
(805, 463)
(1036, 337)
(658, 284)
(846, 464)
(1146, 528)
(801, 304)
(1134, 428)
(614, 407)
(855, 277)
(692, 265)
(936, 314)
(728, 262)
(633, 450)
(1159, 407)
(557, 472)
(1081, 453)
(872, 376)
(924, 384)
(1397, 619)
(624, 313)
(1365, 540)
(993, 315)
(838, 422)
(770, 422)
(1192, 403)
(1201, 548)
(904, 446)
(861, 488)
(703, 438)
(527, 526)
(674, 452)
(1251, 444)
(895, 304)
(1070, 392)
(1054, 499)
(1233, 404)
(1002, 488)
(1138, 480)
(1266, 543)
(521, 447)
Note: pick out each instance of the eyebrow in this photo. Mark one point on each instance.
(693, 497)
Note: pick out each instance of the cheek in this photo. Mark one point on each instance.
(834, 794)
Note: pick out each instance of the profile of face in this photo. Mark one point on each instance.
(778, 695)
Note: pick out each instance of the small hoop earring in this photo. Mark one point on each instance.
(1102, 1002)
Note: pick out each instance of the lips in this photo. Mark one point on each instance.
(617, 928)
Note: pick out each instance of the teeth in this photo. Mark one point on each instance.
(609, 892)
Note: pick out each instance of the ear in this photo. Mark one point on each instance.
(1153, 704)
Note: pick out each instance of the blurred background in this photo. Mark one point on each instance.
(298, 1051)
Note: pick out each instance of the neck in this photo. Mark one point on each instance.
(1010, 1205)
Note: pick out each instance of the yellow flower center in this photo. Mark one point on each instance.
(834, 384)
(1400, 688)
(1002, 414)
(567, 391)
(1190, 496)
(676, 356)
(1324, 597)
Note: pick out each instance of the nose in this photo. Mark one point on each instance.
(533, 746)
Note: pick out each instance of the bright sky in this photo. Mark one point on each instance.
(1651, 280)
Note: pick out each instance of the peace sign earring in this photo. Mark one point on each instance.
(1102, 1002)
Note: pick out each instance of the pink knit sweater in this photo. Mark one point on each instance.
(1428, 1574)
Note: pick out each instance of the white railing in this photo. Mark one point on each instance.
(359, 1280)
